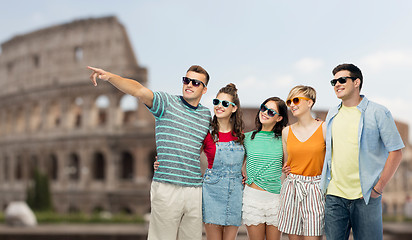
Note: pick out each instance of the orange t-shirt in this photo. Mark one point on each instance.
(306, 158)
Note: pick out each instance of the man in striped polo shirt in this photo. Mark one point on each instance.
(181, 125)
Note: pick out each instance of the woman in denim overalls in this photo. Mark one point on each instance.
(222, 182)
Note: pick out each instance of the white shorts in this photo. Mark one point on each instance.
(302, 206)
(260, 207)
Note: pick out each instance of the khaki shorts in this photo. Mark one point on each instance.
(176, 212)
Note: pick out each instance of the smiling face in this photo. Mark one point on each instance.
(221, 111)
(302, 107)
(267, 121)
(348, 90)
(193, 94)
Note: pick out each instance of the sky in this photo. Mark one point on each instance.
(265, 47)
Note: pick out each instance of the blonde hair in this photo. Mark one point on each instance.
(307, 91)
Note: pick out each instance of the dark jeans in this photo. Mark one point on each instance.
(342, 214)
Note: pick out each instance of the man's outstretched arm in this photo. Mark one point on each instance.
(125, 85)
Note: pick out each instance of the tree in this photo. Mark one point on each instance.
(38, 194)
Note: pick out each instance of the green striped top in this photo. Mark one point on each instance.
(180, 131)
(264, 156)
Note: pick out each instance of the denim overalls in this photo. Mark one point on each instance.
(222, 186)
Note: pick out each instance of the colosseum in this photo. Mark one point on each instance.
(96, 144)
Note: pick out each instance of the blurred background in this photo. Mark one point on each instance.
(79, 153)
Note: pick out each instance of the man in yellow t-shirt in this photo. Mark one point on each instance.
(363, 151)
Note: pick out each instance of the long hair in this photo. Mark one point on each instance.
(283, 111)
(235, 119)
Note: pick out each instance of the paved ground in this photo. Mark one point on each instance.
(398, 231)
(392, 231)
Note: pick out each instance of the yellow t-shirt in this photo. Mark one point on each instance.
(345, 181)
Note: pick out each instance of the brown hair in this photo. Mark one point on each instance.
(354, 71)
(283, 111)
(235, 118)
(199, 69)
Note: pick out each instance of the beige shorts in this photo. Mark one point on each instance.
(175, 211)
(260, 207)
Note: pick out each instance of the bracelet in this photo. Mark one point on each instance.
(373, 188)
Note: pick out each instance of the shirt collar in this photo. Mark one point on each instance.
(188, 104)
(361, 106)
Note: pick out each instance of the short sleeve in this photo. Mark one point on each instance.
(209, 148)
(160, 102)
(389, 132)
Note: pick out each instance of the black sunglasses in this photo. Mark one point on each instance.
(225, 103)
(195, 83)
(271, 112)
(341, 80)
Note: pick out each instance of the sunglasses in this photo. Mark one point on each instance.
(195, 83)
(271, 112)
(341, 80)
(295, 100)
(225, 103)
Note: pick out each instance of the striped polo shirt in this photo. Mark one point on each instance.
(180, 131)
(264, 156)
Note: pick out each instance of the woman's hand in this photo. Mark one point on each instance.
(286, 170)
(156, 164)
(244, 177)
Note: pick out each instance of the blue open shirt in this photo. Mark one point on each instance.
(377, 136)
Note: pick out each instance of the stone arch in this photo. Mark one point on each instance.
(78, 54)
(19, 120)
(129, 106)
(99, 166)
(19, 168)
(53, 115)
(10, 67)
(36, 61)
(52, 167)
(6, 169)
(127, 166)
(8, 122)
(73, 168)
(32, 166)
(75, 112)
(102, 103)
(35, 117)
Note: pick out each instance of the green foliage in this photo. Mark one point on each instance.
(391, 218)
(38, 195)
(52, 217)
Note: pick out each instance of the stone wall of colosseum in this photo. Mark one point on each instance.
(95, 143)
